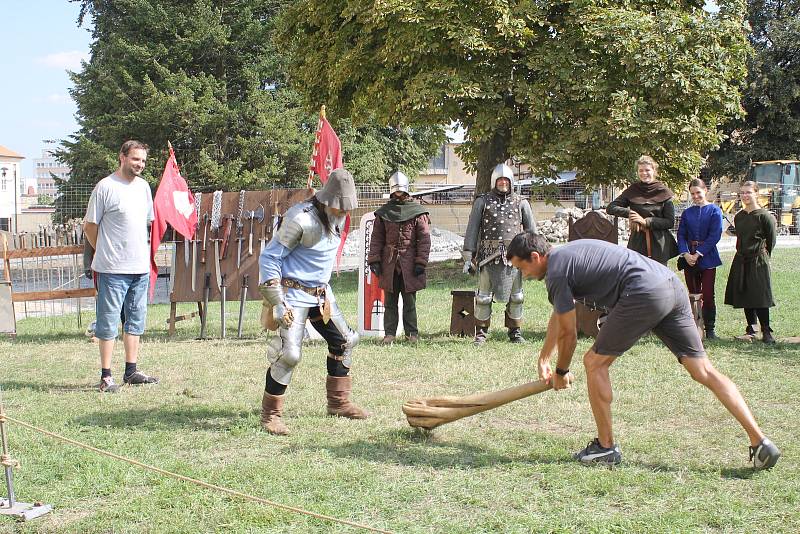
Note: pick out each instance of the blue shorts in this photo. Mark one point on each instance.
(115, 291)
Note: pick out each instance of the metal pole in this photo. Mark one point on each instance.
(5, 458)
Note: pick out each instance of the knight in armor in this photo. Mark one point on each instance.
(294, 271)
(398, 254)
(496, 218)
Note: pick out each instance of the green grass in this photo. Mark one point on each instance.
(507, 470)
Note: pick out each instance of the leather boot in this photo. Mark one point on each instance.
(709, 320)
(271, 410)
(339, 404)
(481, 333)
(767, 336)
(515, 335)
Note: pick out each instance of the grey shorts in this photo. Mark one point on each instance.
(665, 310)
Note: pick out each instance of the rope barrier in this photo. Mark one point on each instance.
(201, 483)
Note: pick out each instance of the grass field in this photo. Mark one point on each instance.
(508, 470)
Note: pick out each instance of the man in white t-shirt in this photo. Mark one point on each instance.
(120, 208)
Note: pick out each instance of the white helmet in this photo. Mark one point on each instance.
(398, 182)
(502, 171)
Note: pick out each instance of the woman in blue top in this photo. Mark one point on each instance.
(698, 234)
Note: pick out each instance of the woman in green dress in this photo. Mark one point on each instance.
(749, 285)
(648, 206)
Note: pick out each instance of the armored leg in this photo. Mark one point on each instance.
(285, 350)
(483, 299)
(514, 306)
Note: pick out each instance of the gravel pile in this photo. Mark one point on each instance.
(556, 229)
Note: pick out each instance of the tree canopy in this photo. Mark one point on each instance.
(771, 128)
(585, 84)
(205, 75)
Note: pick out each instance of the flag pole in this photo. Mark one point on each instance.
(314, 151)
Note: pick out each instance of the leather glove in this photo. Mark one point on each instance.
(375, 268)
(469, 268)
(284, 315)
(418, 270)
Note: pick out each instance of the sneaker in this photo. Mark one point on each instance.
(594, 453)
(387, 340)
(412, 338)
(764, 455)
(138, 378)
(107, 385)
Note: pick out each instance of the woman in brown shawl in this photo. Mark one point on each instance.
(749, 284)
(648, 206)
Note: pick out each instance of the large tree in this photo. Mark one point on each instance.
(205, 75)
(582, 84)
(771, 128)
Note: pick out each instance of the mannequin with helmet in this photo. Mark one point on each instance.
(496, 218)
(294, 271)
(398, 254)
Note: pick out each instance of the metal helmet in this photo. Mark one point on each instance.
(398, 182)
(503, 171)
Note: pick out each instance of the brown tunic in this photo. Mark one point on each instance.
(398, 247)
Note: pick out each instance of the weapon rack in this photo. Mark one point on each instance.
(275, 203)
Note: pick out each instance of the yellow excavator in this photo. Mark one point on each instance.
(778, 185)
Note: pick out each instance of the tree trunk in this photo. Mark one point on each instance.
(491, 152)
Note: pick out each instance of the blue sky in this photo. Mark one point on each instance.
(40, 40)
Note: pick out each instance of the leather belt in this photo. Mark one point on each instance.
(320, 292)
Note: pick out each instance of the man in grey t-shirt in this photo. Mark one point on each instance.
(639, 295)
(115, 225)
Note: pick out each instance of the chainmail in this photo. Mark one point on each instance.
(197, 198)
(239, 223)
(216, 209)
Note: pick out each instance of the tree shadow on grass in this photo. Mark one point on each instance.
(413, 447)
(191, 417)
(49, 337)
(46, 388)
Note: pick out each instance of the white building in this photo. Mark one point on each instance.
(45, 168)
(11, 183)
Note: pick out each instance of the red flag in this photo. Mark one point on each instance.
(173, 205)
(327, 155)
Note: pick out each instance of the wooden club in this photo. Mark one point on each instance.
(436, 411)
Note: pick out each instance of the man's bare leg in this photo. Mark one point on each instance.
(702, 371)
(106, 351)
(131, 343)
(598, 384)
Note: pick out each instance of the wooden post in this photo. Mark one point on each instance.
(462, 315)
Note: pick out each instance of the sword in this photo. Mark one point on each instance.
(216, 212)
(186, 251)
(490, 258)
(222, 294)
(205, 234)
(242, 302)
(172, 267)
(197, 201)
(226, 234)
(218, 272)
(203, 319)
